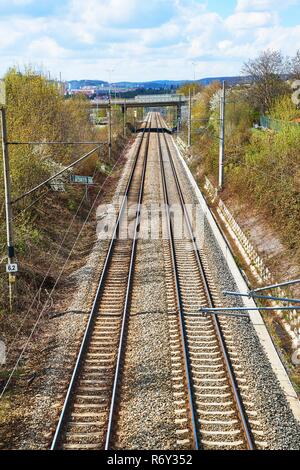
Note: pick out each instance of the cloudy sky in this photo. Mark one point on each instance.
(144, 39)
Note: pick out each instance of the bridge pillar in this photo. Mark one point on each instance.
(124, 111)
(179, 117)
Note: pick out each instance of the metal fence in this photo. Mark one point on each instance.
(276, 124)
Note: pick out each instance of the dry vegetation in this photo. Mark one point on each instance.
(262, 168)
(37, 111)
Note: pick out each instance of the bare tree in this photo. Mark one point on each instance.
(295, 66)
(267, 73)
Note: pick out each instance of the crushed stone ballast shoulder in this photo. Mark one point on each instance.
(256, 318)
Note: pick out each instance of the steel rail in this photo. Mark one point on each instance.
(218, 329)
(192, 411)
(126, 304)
(93, 312)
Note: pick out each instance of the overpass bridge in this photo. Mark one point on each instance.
(146, 101)
(143, 101)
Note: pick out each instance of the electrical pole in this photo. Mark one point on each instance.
(190, 120)
(222, 137)
(124, 118)
(8, 208)
(110, 71)
(109, 131)
(194, 67)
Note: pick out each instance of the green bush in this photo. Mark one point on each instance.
(268, 174)
(262, 168)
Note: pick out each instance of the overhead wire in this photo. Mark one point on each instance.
(57, 252)
(54, 286)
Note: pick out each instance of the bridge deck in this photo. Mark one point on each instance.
(141, 103)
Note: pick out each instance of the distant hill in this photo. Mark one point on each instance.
(228, 80)
(77, 84)
(156, 84)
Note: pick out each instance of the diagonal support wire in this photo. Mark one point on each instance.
(275, 286)
(244, 309)
(86, 155)
(251, 295)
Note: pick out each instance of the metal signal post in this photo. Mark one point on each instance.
(190, 120)
(8, 207)
(222, 137)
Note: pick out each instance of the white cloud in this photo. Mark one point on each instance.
(46, 47)
(263, 5)
(167, 34)
(107, 11)
(8, 37)
(225, 45)
(250, 20)
(145, 40)
(285, 39)
(16, 2)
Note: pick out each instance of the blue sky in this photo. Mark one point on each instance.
(144, 40)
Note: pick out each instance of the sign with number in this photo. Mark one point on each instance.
(82, 179)
(12, 268)
(2, 93)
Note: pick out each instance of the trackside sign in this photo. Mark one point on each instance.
(2, 93)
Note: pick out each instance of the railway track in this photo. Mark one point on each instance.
(209, 408)
(86, 420)
(208, 403)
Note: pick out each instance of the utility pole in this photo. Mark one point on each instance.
(190, 120)
(110, 71)
(124, 118)
(109, 131)
(222, 137)
(11, 267)
(194, 67)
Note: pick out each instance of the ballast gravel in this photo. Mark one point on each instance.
(281, 429)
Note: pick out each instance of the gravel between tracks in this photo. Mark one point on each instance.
(281, 429)
(146, 414)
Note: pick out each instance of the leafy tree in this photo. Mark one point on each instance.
(284, 109)
(188, 88)
(201, 109)
(38, 111)
(266, 73)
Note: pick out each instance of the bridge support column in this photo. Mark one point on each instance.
(178, 118)
(124, 111)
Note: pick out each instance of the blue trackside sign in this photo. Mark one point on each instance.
(82, 179)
